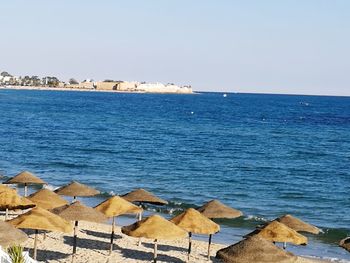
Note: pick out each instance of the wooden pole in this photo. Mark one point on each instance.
(35, 244)
(209, 246)
(75, 237)
(189, 245)
(25, 190)
(6, 214)
(112, 235)
(140, 218)
(155, 251)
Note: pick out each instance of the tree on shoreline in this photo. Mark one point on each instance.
(73, 81)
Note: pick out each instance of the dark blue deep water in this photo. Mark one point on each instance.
(266, 155)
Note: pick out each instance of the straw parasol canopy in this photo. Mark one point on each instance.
(216, 209)
(345, 243)
(41, 219)
(143, 196)
(297, 224)
(278, 232)
(75, 189)
(154, 227)
(255, 249)
(10, 200)
(194, 222)
(5, 188)
(9, 235)
(47, 199)
(25, 178)
(79, 212)
(116, 206)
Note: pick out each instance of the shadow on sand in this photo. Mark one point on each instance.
(87, 243)
(148, 256)
(100, 234)
(47, 255)
(165, 247)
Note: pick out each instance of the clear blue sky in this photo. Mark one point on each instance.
(279, 46)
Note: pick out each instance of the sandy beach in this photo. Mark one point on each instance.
(93, 246)
(85, 90)
(62, 89)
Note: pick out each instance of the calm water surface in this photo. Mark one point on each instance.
(266, 155)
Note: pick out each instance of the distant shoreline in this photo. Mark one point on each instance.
(88, 90)
(143, 92)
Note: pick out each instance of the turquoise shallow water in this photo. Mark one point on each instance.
(266, 155)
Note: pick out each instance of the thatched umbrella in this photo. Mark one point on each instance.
(297, 224)
(255, 249)
(345, 243)
(79, 212)
(116, 206)
(10, 200)
(41, 219)
(154, 227)
(25, 178)
(47, 199)
(9, 235)
(216, 209)
(141, 196)
(194, 222)
(75, 189)
(278, 232)
(5, 188)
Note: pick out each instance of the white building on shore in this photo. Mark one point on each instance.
(161, 88)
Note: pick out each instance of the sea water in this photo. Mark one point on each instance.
(266, 155)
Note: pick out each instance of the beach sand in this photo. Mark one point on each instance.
(93, 246)
(87, 90)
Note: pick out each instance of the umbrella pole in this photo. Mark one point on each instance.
(35, 244)
(140, 218)
(209, 244)
(75, 238)
(189, 245)
(25, 190)
(155, 251)
(112, 235)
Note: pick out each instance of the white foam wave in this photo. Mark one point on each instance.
(256, 218)
(50, 187)
(328, 259)
(112, 193)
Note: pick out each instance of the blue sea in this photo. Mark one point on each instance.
(266, 155)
